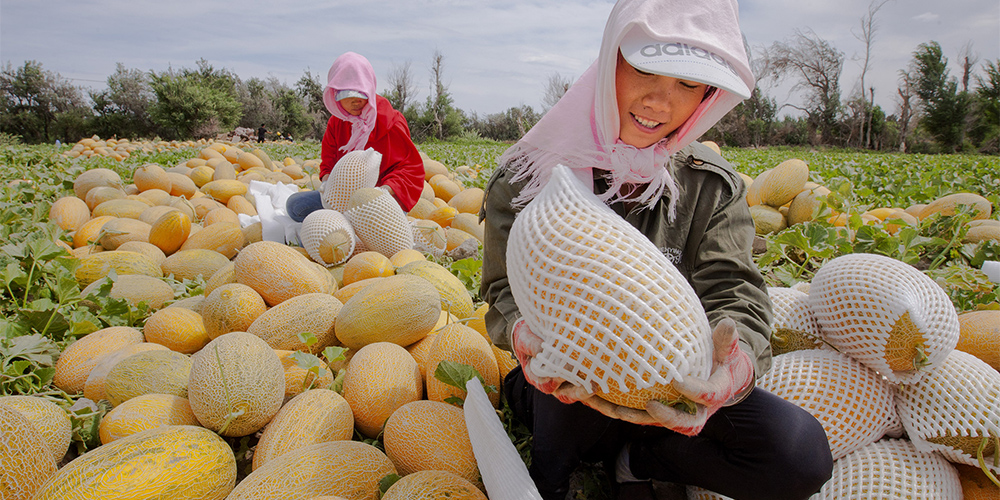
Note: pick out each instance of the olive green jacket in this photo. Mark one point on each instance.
(709, 242)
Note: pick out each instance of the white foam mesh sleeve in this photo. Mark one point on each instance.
(891, 469)
(854, 404)
(381, 225)
(317, 225)
(429, 236)
(857, 300)
(791, 312)
(354, 170)
(959, 398)
(606, 302)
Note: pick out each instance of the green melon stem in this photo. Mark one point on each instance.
(682, 403)
(996, 457)
(232, 415)
(920, 359)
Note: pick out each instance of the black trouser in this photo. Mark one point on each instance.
(761, 448)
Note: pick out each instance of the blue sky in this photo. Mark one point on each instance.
(497, 54)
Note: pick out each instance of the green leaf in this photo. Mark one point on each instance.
(386, 482)
(334, 353)
(456, 374)
(307, 338)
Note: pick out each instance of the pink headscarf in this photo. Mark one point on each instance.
(581, 130)
(352, 71)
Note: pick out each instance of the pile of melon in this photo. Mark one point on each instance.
(783, 196)
(252, 355)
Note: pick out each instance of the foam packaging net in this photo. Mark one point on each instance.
(608, 305)
(854, 404)
(354, 170)
(891, 469)
(877, 309)
(381, 225)
(953, 408)
(429, 236)
(794, 326)
(315, 228)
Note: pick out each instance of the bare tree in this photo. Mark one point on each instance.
(555, 88)
(968, 60)
(402, 90)
(867, 36)
(817, 65)
(907, 100)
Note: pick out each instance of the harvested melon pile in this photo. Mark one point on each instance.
(297, 360)
(783, 196)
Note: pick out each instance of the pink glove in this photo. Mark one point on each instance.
(732, 375)
(527, 345)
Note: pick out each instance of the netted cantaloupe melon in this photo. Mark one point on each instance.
(315, 416)
(75, 363)
(355, 170)
(232, 307)
(144, 248)
(225, 237)
(237, 384)
(170, 231)
(120, 230)
(467, 201)
(284, 325)
(178, 329)
(135, 288)
(25, 459)
(380, 378)
(979, 335)
(277, 272)
(378, 221)
(430, 435)
(151, 176)
(888, 470)
(793, 327)
(149, 372)
(190, 264)
(948, 204)
(612, 311)
(460, 344)
(93, 178)
(432, 485)
(400, 309)
(365, 265)
(784, 182)
(420, 350)
(348, 469)
(180, 462)
(93, 389)
(51, 421)
(96, 266)
(455, 298)
(327, 236)
(69, 213)
(146, 411)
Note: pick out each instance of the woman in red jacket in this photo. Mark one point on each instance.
(357, 123)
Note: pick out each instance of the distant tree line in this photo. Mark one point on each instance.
(936, 112)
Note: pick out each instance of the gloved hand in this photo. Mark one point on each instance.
(526, 346)
(732, 376)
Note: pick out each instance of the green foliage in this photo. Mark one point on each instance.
(457, 375)
(122, 108)
(195, 103)
(944, 107)
(40, 106)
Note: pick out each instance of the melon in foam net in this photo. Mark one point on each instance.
(613, 313)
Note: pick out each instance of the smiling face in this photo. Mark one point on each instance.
(353, 105)
(652, 106)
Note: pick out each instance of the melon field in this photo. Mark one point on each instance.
(150, 329)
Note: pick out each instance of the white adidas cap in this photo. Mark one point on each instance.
(681, 60)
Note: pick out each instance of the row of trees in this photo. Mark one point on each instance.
(936, 112)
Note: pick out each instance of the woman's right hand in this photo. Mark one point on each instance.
(527, 345)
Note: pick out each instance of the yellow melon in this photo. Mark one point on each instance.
(241, 205)
(381, 377)
(101, 194)
(231, 308)
(431, 485)
(470, 224)
(201, 175)
(460, 344)
(121, 230)
(69, 213)
(979, 335)
(220, 214)
(89, 232)
(149, 372)
(478, 321)
(430, 435)
(400, 309)
(203, 205)
(404, 257)
(344, 293)
(349, 469)
(226, 274)
(277, 272)
(237, 384)
(225, 237)
(314, 416)
(190, 264)
(299, 379)
(51, 421)
(77, 360)
(783, 182)
(467, 201)
(946, 205)
(98, 265)
(25, 458)
(126, 208)
(145, 248)
(444, 187)
(223, 189)
(180, 462)
(421, 209)
(178, 329)
(457, 238)
(151, 176)
(313, 313)
(455, 298)
(146, 411)
(366, 265)
(505, 361)
(94, 178)
(181, 185)
(93, 388)
(420, 350)
(153, 213)
(443, 215)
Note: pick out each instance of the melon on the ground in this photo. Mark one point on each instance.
(25, 458)
(979, 335)
(430, 435)
(190, 264)
(154, 371)
(146, 411)
(277, 272)
(93, 389)
(380, 378)
(231, 307)
(313, 313)
(433, 485)
(460, 344)
(237, 384)
(315, 416)
(135, 288)
(180, 462)
(299, 379)
(75, 363)
(96, 266)
(178, 329)
(455, 297)
(51, 421)
(69, 213)
(399, 309)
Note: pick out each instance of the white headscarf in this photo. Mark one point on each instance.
(581, 130)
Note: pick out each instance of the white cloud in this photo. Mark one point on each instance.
(927, 17)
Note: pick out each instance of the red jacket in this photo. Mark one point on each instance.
(402, 169)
